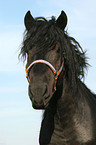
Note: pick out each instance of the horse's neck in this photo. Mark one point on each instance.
(68, 119)
(72, 102)
(66, 103)
(73, 117)
(63, 119)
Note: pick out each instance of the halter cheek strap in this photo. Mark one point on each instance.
(56, 73)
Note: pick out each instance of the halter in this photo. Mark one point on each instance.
(56, 73)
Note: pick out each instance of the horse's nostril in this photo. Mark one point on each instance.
(45, 90)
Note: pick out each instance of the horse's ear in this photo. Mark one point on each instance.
(28, 20)
(62, 20)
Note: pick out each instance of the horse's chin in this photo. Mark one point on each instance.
(44, 104)
(40, 107)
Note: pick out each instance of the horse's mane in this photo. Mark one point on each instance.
(44, 35)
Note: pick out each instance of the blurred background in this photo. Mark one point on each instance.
(19, 122)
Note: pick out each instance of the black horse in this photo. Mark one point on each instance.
(55, 68)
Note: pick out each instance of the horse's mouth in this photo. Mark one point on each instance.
(39, 106)
(42, 105)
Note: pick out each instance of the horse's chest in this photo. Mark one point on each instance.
(84, 130)
(62, 135)
(75, 133)
(83, 124)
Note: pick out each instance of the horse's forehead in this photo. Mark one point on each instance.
(37, 50)
(35, 53)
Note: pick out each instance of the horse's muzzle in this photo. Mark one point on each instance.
(39, 102)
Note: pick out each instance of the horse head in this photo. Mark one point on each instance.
(44, 64)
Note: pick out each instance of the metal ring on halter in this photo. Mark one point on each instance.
(57, 73)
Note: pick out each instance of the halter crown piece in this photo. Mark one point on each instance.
(56, 73)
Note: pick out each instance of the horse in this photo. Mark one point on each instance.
(55, 69)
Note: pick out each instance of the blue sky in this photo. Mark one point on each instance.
(19, 122)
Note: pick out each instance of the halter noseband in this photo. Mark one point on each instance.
(56, 73)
